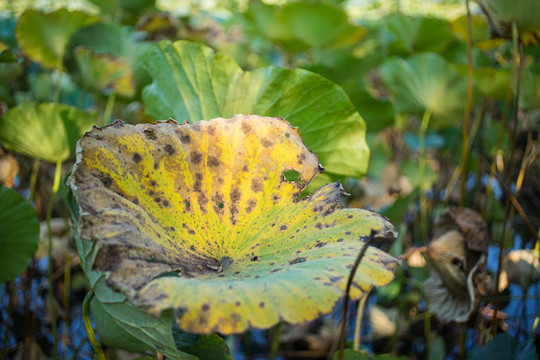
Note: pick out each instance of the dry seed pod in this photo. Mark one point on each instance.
(447, 255)
(519, 267)
(457, 256)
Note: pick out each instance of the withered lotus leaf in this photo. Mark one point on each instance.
(200, 218)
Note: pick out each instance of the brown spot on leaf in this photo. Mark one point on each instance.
(205, 307)
(266, 143)
(250, 205)
(246, 128)
(137, 158)
(196, 157)
(169, 149)
(256, 185)
(203, 200)
(185, 139)
(235, 195)
(284, 227)
(212, 161)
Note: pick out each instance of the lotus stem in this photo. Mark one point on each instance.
(274, 347)
(33, 178)
(536, 255)
(67, 282)
(58, 83)
(109, 108)
(343, 333)
(509, 210)
(358, 327)
(458, 171)
(56, 185)
(88, 326)
(468, 105)
(422, 170)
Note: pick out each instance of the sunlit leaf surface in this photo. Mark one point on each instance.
(46, 132)
(44, 36)
(191, 82)
(301, 25)
(200, 218)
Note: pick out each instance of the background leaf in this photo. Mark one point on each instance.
(503, 346)
(191, 82)
(211, 347)
(44, 36)
(46, 132)
(406, 34)
(19, 229)
(425, 81)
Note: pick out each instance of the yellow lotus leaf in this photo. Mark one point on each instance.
(201, 219)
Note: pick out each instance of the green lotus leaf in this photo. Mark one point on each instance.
(200, 219)
(530, 88)
(211, 347)
(111, 7)
(7, 56)
(46, 132)
(524, 13)
(44, 36)
(119, 44)
(425, 82)
(191, 82)
(481, 33)
(504, 346)
(120, 324)
(20, 233)
(298, 26)
(105, 72)
(406, 35)
(490, 82)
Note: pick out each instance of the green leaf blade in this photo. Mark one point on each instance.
(45, 132)
(20, 233)
(191, 82)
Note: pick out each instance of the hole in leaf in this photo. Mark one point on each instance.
(168, 274)
(150, 134)
(287, 135)
(220, 205)
(292, 176)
